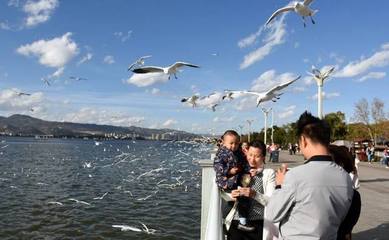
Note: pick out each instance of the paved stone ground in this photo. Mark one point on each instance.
(374, 220)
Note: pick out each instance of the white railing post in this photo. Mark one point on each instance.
(206, 180)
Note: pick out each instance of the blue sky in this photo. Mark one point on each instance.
(97, 40)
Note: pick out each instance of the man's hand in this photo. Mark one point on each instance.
(281, 174)
(247, 192)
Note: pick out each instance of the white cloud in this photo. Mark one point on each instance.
(4, 26)
(296, 45)
(56, 52)
(122, 36)
(246, 103)
(298, 89)
(274, 37)
(169, 123)
(372, 75)
(39, 11)
(109, 59)
(155, 91)
(326, 95)
(147, 79)
(57, 73)
(355, 68)
(269, 79)
(336, 57)
(86, 58)
(101, 116)
(13, 3)
(224, 119)
(287, 112)
(11, 101)
(210, 100)
(250, 40)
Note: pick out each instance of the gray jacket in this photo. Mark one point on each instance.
(313, 200)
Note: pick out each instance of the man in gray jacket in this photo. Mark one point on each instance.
(310, 201)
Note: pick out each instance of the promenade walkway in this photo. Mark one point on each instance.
(374, 220)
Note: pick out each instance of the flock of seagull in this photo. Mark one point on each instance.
(210, 101)
(272, 94)
(302, 8)
(152, 177)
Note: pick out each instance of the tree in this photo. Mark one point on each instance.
(362, 114)
(337, 124)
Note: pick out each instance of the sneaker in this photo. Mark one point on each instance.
(245, 228)
(386, 167)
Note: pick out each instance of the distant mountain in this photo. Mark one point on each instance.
(22, 125)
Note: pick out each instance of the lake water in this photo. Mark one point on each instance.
(118, 182)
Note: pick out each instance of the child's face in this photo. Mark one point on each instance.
(231, 142)
(255, 157)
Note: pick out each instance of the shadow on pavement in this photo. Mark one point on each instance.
(380, 232)
(375, 180)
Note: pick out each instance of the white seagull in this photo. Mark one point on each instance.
(78, 201)
(272, 94)
(321, 76)
(170, 70)
(78, 78)
(46, 81)
(146, 229)
(100, 198)
(230, 94)
(301, 8)
(213, 107)
(127, 228)
(22, 94)
(191, 100)
(139, 62)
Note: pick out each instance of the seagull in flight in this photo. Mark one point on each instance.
(191, 100)
(78, 201)
(125, 228)
(230, 94)
(139, 62)
(22, 94)
(272, 94)
(300, 7)
(78, 78)
(46, 81)
(213, 107)
(170, 70)
(100, 198)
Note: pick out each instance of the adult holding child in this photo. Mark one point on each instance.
(259, 189)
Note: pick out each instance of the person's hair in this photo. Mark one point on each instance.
(231, 133)
(342, 156)
(314, 128)
(260, 145)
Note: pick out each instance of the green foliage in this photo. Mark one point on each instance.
(337, 124)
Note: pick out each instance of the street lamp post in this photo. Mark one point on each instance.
(249, 123)
(320, 77)
(241, 131)
(272, 126)
(265, 113)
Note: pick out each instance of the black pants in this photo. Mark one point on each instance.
(235, 234)
(243, 206)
